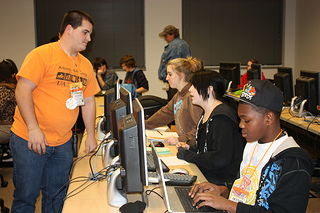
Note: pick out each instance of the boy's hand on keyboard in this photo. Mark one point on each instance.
(202, 187)
(212, 199)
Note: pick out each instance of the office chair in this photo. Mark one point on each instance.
(4, 155)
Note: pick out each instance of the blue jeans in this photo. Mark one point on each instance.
(33, 172)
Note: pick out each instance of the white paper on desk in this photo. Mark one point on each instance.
(173, 161)
(155, 134)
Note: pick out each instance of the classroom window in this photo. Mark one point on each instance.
(118, 27)
(234, 30)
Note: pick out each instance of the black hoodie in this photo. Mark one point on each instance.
(284, 187)
(218, 152)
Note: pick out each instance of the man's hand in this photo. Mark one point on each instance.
(171, 140)
(37, 141)
(91, 145)
(100, 72)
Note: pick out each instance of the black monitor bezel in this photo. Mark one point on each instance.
(231, 66)
(138, 113)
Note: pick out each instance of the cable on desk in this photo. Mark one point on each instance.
(148, 192)
(102, 144)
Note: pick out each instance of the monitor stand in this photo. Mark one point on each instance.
(229, 87)
(106, 153)
(300, 109)
(100, 132)
(116, 198)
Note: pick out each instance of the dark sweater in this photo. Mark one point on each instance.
(219, 148)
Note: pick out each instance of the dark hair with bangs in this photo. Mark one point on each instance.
(201, 80)
(98, 62)
(74, 18)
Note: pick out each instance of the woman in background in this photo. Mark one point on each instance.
(244, 77)
(8, 82)
(134, 75)
(106, 78)
(218, 151)
(180, 108)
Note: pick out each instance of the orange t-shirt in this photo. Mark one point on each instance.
(52, 70)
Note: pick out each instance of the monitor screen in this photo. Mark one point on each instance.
(138, 113)
(109, 96)
(126, 97)
(316, 76)
(283, 79)
(254, 72)
(117, 110)
(306, 88)
(231, 71)
(129, 155)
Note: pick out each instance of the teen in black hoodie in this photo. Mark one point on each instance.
(218, 149)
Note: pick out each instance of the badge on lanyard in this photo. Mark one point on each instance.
(77, 98)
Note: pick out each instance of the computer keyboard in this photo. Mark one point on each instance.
(186, 201)
(173, 179)
(151, 166)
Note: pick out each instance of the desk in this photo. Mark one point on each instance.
(94, 198)
(306, 134)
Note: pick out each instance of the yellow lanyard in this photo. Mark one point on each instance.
(255, 168)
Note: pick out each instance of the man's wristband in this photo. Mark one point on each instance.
(33, 128)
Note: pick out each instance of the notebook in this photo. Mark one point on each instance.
(170, 196)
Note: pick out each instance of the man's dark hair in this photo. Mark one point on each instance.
(128, 60)
(74, 18)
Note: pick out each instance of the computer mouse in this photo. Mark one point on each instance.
(157, 144)
(179, 171)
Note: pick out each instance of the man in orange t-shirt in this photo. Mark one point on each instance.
(53, 81)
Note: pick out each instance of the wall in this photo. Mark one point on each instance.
(307, 36)
(301, 41)
(17, 34)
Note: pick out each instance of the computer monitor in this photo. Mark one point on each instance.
(316, 76)
(109, 96)
(231, 71)
(126, 97)
(283, 79)
(117, 89)
(117, 110)
(129, 155)
(138, 113)
(254, 72)
(306, 89)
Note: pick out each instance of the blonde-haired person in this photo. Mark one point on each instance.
(180, 108)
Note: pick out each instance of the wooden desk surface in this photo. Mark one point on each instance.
(94, 197)
(299, 122)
